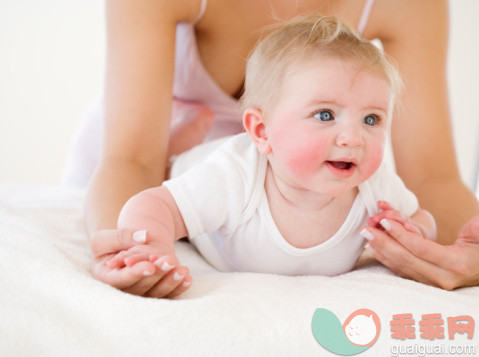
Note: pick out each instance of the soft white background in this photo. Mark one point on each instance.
(51, 66)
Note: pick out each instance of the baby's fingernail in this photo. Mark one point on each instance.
(385, 223)
(147, 273)
(366, 234)
(178, 277)
(139, 236)
(368, 247)
(186, 284)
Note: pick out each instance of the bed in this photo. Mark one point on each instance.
(50, 305)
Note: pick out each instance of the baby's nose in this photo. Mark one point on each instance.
(350, 136)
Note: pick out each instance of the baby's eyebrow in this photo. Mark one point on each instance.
(384, 110)
(323, 102)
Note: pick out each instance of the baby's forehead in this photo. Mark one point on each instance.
(335, 72)
(339, 66)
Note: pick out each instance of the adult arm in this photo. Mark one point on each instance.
(415, 34)
(137, 106)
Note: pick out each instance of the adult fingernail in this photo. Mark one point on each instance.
(165, 267)
(368, 247)
(366, 234)
(385, 223)
(139, 236)
(178, 277)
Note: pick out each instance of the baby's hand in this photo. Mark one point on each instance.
(389, 213)
(168, 278)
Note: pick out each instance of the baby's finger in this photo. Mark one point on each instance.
(395, 229)
(396, 215)
(135, 258)
(383, 205)
(117, 261)
(125, 277)
(113, 240)
(412, 228)
(374, 220)
(391, 214)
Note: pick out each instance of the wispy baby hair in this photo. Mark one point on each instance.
(299, 39)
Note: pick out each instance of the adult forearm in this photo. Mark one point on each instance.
(111, 186)
(451, 203)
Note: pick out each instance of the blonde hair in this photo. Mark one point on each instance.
(300, 39)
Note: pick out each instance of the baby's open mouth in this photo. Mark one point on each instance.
(342, 165)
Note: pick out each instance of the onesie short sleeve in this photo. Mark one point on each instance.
(386, 185)
(213, 194)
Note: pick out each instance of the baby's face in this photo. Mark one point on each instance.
(328, 131)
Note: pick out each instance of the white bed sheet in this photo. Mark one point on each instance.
(51, 306)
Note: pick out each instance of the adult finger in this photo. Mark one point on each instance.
(144, 284)
(180, 289)
(141, 287)
(427, 250)
(113, 240)
(121, 278)
(400, 260)
(169, 283)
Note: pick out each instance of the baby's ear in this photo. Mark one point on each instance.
(253, 122)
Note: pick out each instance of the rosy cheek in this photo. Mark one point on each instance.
(305, 154)
(374, 159)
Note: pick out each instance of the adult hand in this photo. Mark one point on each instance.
(144, 278)
(413, 257)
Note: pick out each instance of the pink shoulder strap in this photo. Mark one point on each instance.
(365, 16)
(202, 11)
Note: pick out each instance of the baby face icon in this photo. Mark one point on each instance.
(362, 327)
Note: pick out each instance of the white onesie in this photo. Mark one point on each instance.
(224, 205)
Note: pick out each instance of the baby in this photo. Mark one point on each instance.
(292, 194)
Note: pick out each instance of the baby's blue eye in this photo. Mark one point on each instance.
(325, 115)
(371, 120)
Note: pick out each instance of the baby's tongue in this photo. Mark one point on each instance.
(340, 164)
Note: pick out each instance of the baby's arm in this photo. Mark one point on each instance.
(155, 211)
(421, 222)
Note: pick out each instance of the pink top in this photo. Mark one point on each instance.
(193, 83)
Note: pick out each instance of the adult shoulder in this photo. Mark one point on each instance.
(408, 20)
(176, 11)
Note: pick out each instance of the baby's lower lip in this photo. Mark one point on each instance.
(336, 169)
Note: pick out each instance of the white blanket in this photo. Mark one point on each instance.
(51, 306)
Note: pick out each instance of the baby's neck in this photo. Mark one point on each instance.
(305, 200)
(304, 218)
